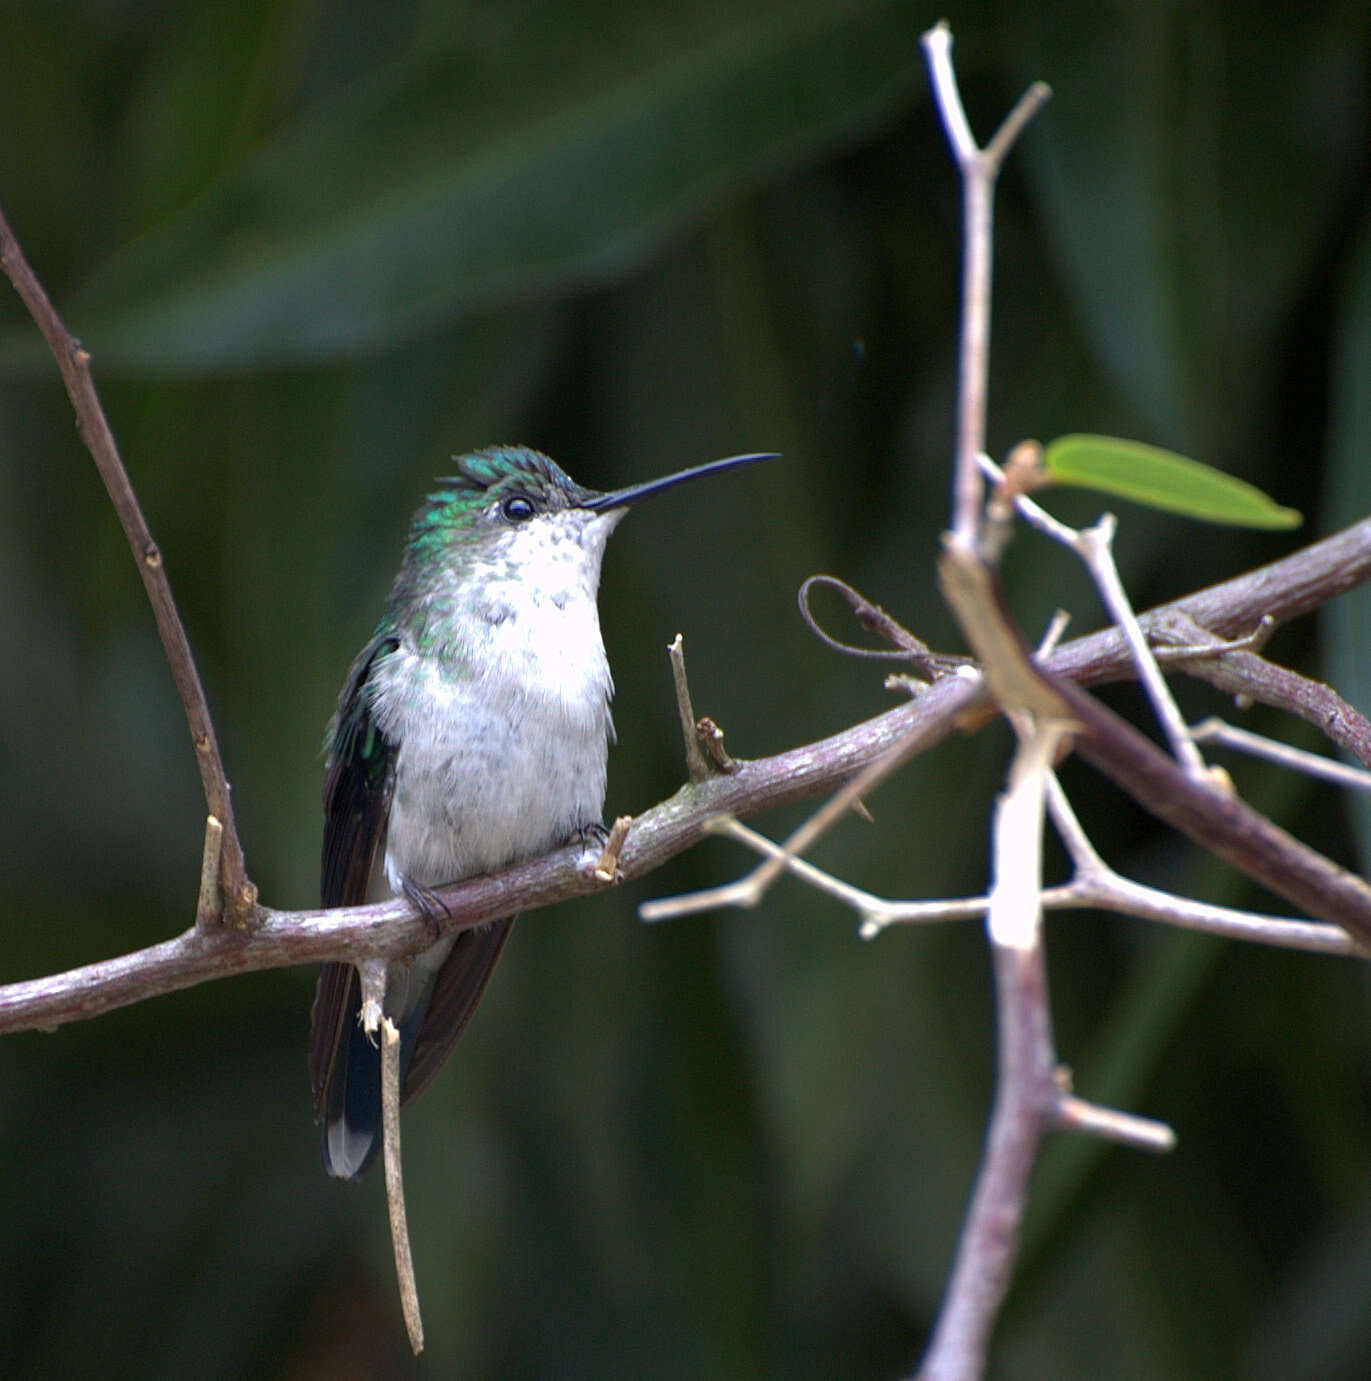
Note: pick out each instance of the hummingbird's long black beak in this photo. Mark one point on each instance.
(623, 498)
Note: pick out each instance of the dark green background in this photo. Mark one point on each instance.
(315, 249)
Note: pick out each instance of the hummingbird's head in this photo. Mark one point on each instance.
(507, 512)
(493, 490)
(512, 506)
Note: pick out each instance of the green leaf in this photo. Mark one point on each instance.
(469, 176)
(1161, 479)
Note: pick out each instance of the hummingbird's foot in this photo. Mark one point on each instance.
(429, 905)
(591, 835)
(594, 839)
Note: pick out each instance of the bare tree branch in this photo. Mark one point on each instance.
(239, 894)
(1282, 590)
(1025, 1093)
(1246, 675)
(1045, 709)
(1094, 886)
(278, 939)
(980, 169)
(1286, 589)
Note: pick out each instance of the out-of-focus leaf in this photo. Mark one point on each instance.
(1161, 479)
(1184, 166)
(460, 178)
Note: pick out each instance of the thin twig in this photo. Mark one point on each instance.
(904, 646)
(697, 769)
(1207, 648)
(979, 170)
(1014, 914)
(1072, 1114)
(1279, 591)
(380, 1028)
(1234, 666)
(209, 905)
(1095, 546)
(1296, 759)
(874, 912)
(1095, 885)
(870, 615)
(395, 1185)
(749, 891)
(1113, 892)
(240, 895)
(606, 867)
(1052, 636)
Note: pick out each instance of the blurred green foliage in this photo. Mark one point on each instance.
(315, 249)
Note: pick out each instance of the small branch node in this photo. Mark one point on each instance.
(712, 740)
(1219, 778)
(1072, 1114)
(1056, 628)
(1022, 473)
(607, 865)
(372, 973)
(242, 907)
(1167, 645)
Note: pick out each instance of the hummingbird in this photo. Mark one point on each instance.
(472, 733)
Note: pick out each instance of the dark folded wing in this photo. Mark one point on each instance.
(357, 786)
(458, 989)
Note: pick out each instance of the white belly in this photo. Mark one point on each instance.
(503, 749)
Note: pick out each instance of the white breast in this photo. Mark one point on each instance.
(503, 722)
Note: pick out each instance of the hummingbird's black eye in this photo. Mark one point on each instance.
(518, 508)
